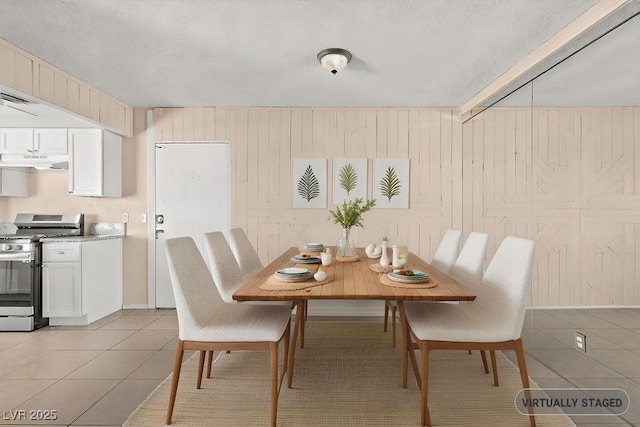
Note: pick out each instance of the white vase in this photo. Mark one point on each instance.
(384, 258)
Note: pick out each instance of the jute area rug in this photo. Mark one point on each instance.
(348, 374)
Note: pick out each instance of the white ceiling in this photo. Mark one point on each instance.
(263, 52)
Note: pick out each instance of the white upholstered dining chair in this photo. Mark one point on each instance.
(469, 265)
(493, 321)
(468, 270)
(206, 323)
(227, 276)
(224, 268)
(447, 251)
(246, 256)
(443, 260)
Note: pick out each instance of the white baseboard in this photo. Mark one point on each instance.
(579, 307)
(376, 308)
(134, 306)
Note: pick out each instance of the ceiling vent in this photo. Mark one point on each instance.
(11, 98)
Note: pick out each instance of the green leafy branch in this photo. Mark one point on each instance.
(350, 215)
(390, 184)
(308, 185)
(348, 178)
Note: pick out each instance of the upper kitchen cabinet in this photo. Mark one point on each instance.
(33, 141)
(95, 163)
(50, 141)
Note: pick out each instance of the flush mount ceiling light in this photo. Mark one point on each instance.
(334, 59)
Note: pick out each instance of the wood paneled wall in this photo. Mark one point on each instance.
(569, 179)
(31, 75)
(264, 140)
(566, 178)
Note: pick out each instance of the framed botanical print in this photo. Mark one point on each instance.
(391, 183)
(309, 183)
(349, 179)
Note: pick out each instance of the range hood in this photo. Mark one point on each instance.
(42, 162)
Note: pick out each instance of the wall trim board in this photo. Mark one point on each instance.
(135, 306)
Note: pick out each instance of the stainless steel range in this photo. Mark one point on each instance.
(21, 267)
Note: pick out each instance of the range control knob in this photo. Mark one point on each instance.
(8, 247)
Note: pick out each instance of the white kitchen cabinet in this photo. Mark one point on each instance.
(81, 280)
(14, 182)
(41, 141)
(16, 140)
(50, 141)
(61, 290)
(95, 163)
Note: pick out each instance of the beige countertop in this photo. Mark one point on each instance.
(86, 238)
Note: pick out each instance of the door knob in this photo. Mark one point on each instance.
(159, 219)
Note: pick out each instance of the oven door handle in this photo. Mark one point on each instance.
(24, 257)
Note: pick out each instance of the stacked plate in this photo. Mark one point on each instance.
(293, 274)
(416, 277)
(300, 259)
(314, 247)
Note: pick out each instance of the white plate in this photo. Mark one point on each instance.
(295, 277)
(407, 279)
(308, 260)
(293, 271)
(299, 256)
(314, 245)
(417, 276)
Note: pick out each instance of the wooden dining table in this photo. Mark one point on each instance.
(350, 281)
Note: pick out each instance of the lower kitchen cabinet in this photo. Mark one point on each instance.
(81, 281)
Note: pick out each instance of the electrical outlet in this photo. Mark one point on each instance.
(581, 342)
(125, 217)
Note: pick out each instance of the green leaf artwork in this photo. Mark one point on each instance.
(308, 186)
(390, 184)
(348, 178)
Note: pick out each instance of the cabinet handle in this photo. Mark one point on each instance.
(60, 252)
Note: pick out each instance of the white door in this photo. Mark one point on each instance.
(192, 198)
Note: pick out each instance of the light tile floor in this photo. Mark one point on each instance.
(98, 374)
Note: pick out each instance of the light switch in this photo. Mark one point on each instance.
(143, 217)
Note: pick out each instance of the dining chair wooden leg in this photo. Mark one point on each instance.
(424, 387)
(386, 315)
(483, 354)
(469, 351)
(209, 363)
(393, 324)
(273, 347)
(524, 376)
(174, 381)
(200, 368)
(494, 366)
